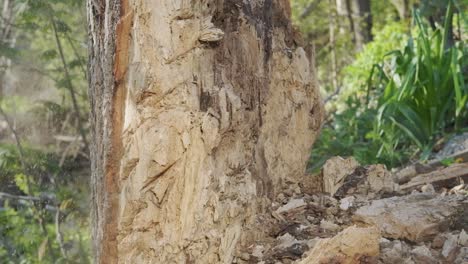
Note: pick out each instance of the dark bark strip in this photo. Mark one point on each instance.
(108, 36)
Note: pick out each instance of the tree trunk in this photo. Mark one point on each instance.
(402, 6)
(202, 111)
(343, 8)
(7, 38)
(332, 17)
(362, 22)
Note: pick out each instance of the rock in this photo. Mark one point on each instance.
(371, 180)
(297, 190)
(334, 172)
(395, 252)
(428, 188)
(463, 239)
(346, 203)
(406, 174)
(326, 201)
(258, 251)
(450, 247)
(296, 250)
(327, 225)
(245, 256)
(384, 243)
(415, 217)
(352, 245)
(332, 211)
(380, 179)
(280, 197)
(289, 247)
(455, 144)
(438, 241)
(311, 243)
(462, 257)
(422, 255)
(292, 204)
(286, 240)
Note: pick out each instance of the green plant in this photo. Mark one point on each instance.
(28, 223)
(421, 91)
(399, 96)
(348, 132)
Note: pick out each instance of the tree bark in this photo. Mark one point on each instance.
(332, 18)
(362, 17)
(403, 8)
(7, 38)
(202, 111)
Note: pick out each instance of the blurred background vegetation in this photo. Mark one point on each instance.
(44, 161)
(393, 74)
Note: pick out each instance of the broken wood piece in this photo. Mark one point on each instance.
(416, 217)
(291, 205)
(406, 174)
(365, 180)
(443, 177)
(352, 245)
(335, 171)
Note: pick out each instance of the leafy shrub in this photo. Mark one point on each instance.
(345, 133)
(28, 231)
(418, 94)
(424, 93)
(355, 76)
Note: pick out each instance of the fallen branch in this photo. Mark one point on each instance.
(19, 197)
(450, 173)
(409, 172)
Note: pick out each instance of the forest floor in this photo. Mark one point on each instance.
(367, 214)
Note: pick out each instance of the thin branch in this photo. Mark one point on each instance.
(331, 96)
(58, 233)
(45, 74)
(70, 86)
(309, 9)
(331, 26)
(77, 54)
(19, 197)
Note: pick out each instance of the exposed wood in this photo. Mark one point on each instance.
(407, 173)
(452, 172)
(414, 217)
(351, 246)
(202, 111)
